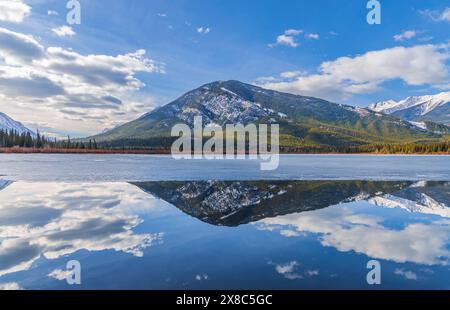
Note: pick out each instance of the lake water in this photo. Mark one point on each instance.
(149, 222)
(156, 168)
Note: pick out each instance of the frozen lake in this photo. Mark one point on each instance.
(159, 168)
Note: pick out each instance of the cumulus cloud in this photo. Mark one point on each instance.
(290, 74)
(17, 47)
(201, 277)
(14, 10)
(52, 13)
(70, 218)
(288, 38)
(314, 36)
(10, 286)
(288, 270)
(406, 35)
(49, 80)
(346, 76)
(64, 31)
(345, 230)
(32, 86)
(409, 275)
(203, 30)
(59, 274)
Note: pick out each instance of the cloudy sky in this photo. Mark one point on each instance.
(127, 57)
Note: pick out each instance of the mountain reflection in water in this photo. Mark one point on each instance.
(42, 225)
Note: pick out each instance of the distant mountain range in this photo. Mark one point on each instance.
(8, 124)
(304, 121)
(418, 110)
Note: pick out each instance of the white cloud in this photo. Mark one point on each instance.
(406, 35)
(288, 38)
(203, 30)
(409, 275)
(16, 47)
(314, 36)
(52, 13)
(13, 10)
(201, 277)
(293, 32)
(87, 92)
(71, 217)
(445, 15)
(64, 31)
(290, 74)
(438, 16)
(312, 273)
(59, 274)
(346, 76)
(345, 230)
(10, 286)
(162, 14)
(288, 270)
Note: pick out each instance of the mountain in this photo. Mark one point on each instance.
(418, 110)
(421, 197)
(304, 121)
(4, 184)
(7, 123)
(233, 203)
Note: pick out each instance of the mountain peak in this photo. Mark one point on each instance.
(7, 123)
(304, 121)
(433, 108)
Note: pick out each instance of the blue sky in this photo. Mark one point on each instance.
(192, 42)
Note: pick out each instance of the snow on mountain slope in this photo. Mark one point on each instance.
(7, 123)
(312, 120)
(424, 204)
(4, 184)
(426, 103)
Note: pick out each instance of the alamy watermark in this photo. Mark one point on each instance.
(73, 276)
(374, 15)
(73, 16)
(374, 275)
(242, 142)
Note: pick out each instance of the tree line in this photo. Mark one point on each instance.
(408, 148)
(12, 138)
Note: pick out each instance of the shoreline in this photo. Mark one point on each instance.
(168, 152)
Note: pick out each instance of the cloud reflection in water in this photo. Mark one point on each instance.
(55, 219)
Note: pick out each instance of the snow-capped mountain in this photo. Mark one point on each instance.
(302, 120)
(216, 105)
(425, 204)
(435, 108)
(418, 199)
(232, 203)
(7, 123)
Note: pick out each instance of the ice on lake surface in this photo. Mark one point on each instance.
(131, 168)
(209, 234)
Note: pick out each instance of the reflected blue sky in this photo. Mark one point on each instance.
(129, 236)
